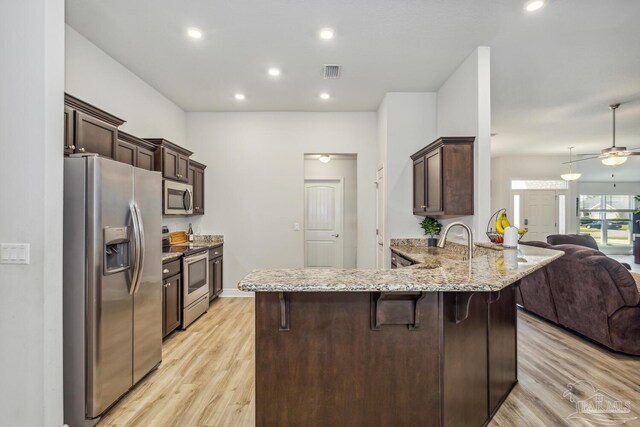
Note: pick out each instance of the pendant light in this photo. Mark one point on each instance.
(570, 176)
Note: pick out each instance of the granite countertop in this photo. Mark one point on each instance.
(438, 270)
(200, 241)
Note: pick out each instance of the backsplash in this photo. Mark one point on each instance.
(181, 223)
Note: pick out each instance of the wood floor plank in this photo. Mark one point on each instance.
(206, 378)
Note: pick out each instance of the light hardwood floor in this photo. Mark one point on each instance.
(207, 375)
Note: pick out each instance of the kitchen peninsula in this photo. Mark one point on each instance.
(430, 344)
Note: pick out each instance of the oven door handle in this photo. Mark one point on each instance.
(136, 249)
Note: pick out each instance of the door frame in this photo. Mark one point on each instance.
(380, 214)
(522, 193)
(340, 180)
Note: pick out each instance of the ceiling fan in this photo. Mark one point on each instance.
(612, 156)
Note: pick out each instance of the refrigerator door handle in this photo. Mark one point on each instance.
(141, 242)
(136, 259)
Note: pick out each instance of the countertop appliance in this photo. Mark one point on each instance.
(177, 198)
(112, 294)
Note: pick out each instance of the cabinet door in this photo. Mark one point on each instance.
(183, 167)
(433, 162)
(169, 164)
(126, 152)
(212, 276)
(217, 279)
(68, 130)
(419, 180)
(198, 191)
(94, 136)
(144, 158)
(171, 304)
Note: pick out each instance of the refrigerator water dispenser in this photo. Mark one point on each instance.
(116, 249)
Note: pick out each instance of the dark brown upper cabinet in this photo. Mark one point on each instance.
(89, 129)
(171, 159)
(443, 178)
(135, 151)
(196, 179)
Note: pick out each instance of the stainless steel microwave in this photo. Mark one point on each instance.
(177, 198)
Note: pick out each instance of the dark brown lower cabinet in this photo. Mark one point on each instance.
(390, 358)
(171, 304)
(215, 272)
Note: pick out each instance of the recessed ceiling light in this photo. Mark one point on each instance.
(273, 72)
(325, 158)
(194, 33)
(534, 5)
(326, 33)
(239, 96)
(325, 96)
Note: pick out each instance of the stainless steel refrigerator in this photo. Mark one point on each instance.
(112, 282)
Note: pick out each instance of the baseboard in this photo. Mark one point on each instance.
(235, 293)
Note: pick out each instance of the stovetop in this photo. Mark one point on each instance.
(186, 249)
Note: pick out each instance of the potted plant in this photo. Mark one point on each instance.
(431, 228)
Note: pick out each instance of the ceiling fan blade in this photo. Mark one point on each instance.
(634, 153)
(581, 160)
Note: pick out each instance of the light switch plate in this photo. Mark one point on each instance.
(296, 226)
(14, 253)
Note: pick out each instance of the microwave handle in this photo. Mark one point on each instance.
(187, 200)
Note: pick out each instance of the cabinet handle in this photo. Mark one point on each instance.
(423, 207)
(197, 207)
(81, 150)
(215, 253)
(165, 271)
(393, 259)
(73, 147)
(166, 285)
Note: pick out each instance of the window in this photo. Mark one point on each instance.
(539, 184)
(516, 210)
(607, 218)
(562, 209)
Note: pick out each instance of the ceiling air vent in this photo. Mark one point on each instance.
(332, 71)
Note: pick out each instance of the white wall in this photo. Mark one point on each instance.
(255, 181)
(408, 124)
(506, 169)
(464, 109)
(95, 77)
(348, 170)
(622, 188)
(31, 102)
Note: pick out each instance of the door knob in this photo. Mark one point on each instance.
(335, 235)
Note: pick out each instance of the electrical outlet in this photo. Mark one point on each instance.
(14, 253)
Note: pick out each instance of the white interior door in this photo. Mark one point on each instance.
(539, 214)
(324, 214)
(380, 219)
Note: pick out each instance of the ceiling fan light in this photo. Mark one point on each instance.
(570, 176)
(614, 160)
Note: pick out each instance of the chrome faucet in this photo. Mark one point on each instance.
(443, 237)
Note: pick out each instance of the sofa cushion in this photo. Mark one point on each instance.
(625, 330)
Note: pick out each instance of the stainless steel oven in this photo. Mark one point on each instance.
(177, 198)
(195, 294)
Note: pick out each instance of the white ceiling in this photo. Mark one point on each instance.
(553, 71)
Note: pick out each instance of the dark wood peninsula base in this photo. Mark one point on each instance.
(383, 359)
